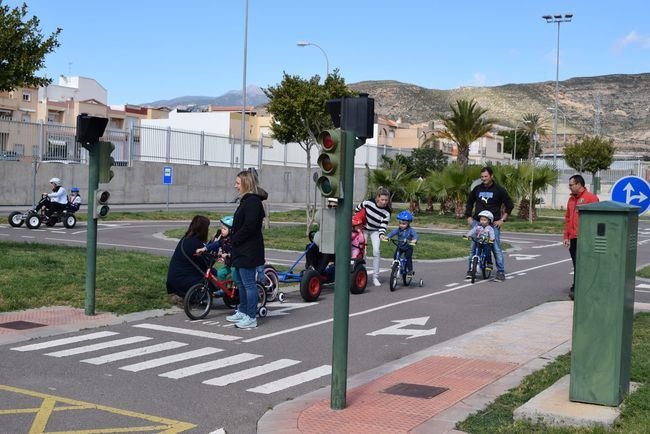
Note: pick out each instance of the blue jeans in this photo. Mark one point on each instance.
(496, 249)
(247, 291)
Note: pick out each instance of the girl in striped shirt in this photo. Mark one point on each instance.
(377, 216)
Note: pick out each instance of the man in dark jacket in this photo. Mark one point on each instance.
(490, 196)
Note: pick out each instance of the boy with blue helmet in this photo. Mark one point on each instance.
(74, 199)
(406, 235)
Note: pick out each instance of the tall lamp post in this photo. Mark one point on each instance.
(243, 108)
(563, 122)
(559, 19)
(327, 60)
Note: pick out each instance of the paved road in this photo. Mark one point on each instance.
(214, 376)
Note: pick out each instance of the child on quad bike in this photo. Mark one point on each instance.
(56, 201)
(74, 199)
(358, 237)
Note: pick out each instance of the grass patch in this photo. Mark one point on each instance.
(644, 272)
(430, 246)
(635, 416)
(38, 275)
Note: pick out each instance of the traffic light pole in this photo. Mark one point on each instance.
(91, 231)
(342, 276)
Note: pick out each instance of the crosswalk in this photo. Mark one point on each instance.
(178, 359)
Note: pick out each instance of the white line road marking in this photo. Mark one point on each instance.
(27, 236)
(293, 380)
(210, 366)
(112, 245)
(397, 303)
(219, 431)
(449, 285)
(4, 235)
(547, 245)
(190, 332)
(251, 373)
(101, 346)
(398, 329)
(284, 308)
(154, 363)
(64, 341)
(643, 286)
(136, 352)
(641, 290)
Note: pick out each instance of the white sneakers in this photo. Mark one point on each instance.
(375, 281)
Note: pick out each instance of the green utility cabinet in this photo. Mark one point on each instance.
(604, 303)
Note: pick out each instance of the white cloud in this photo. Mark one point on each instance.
(479, 79)
(632, 39)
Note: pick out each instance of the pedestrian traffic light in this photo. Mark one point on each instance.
(106, 161)
(330, 161)
(101, 208)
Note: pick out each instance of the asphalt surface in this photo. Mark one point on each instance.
(295, 338)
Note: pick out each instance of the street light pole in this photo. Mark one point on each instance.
(558, 18)
(327, 60)
(243, 108)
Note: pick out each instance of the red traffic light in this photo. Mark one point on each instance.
(327, 142)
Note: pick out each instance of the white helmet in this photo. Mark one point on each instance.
(487, 214)
(56, 181)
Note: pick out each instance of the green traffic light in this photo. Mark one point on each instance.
(327, 189)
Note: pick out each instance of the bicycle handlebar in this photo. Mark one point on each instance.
(399, 243)
(478, 240)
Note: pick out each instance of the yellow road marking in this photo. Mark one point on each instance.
(48, 406)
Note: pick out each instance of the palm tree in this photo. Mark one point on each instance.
(465, 125)
(533, 123)
(393, 178)
(542, 177)
(411, 192)
(451, 187)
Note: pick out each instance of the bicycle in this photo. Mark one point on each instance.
(198, 300)
(481, 256)
(399, 265)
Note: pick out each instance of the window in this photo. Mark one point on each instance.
(4, 140)
(27, 96)
(499, 147)
(54, 117)
(6, 114)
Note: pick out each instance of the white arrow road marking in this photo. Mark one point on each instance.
(411, 333)
(522, 257)
(284, 308)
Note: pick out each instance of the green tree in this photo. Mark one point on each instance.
(465, 125)
(590, 155)
(299, 115)
(427, 158)
(533, 124)
(452, 186)
(393, 176)
(543, 177)
(22, 49)
(523, 144)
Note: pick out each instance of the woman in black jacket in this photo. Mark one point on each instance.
(185, 269)
(247, 247)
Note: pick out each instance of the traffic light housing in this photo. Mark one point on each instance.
(330, 162)
(89, 129)
(101, 208)
(106, 161)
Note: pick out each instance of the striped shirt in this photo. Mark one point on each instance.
(377, 218)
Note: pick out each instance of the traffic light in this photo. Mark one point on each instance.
(89, 129)
(101, 203)
(330, 161)
(106, 161)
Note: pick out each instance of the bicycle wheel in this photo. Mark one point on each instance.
(486, 268)
(406, 277)
(261, 297)
(394, 273)
(473, 269)
(197, 302)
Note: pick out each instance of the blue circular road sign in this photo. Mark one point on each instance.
(632, 190)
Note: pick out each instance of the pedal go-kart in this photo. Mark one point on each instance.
(33, 217)
(320, 271)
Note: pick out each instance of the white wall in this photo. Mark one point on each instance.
(209, 122)
(76, 88)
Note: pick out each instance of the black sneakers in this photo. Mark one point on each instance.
(500, 277)
(468, 275)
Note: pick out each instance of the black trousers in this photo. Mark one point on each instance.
(573, 244)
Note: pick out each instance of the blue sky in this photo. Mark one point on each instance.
(145, 50)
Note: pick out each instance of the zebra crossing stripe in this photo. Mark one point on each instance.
(100, 346)
(294, 380)
(134, 353)
(64, 341)
(210, 366)
(251, 372)
(190, 332)
(161, 361)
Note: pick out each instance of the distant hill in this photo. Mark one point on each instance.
(254, 96)
(624, 107)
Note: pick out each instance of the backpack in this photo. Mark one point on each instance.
(361, 215)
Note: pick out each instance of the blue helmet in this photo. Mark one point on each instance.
(75, 189)
(227, 221)
(405, 216)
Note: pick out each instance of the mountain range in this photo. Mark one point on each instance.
(616, 104)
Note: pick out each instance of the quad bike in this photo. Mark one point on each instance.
(33, 217)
